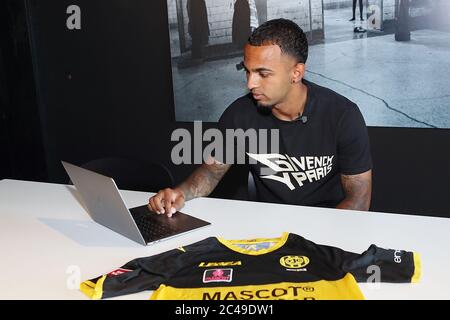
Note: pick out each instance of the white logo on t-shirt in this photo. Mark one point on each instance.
(293, 171)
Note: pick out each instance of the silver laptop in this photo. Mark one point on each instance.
(105, 205)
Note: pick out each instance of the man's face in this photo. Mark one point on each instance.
(269, 74)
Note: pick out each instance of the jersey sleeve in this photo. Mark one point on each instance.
(353, 143)
(374, 264)
(135, 276)
(379, 265)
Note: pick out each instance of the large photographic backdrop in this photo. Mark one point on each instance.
(395, 83)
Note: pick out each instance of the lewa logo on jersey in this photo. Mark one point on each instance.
(218, 275)
(294, 263)
(293, 172)
(118, 272)
(220, 264)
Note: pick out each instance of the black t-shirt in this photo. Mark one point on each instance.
(312, 154)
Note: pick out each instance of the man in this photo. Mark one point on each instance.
(325, 156)
(245, 21)
(241, 28)
(198, 27)
(360, 10)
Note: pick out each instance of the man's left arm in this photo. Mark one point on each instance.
(358, 191)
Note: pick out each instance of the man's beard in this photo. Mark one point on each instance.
(264, 108)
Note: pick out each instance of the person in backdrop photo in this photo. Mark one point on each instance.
(198, 27)
(360, 10)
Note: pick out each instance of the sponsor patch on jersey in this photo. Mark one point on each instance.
(118, 272)
(220, 264)
(217, 275)
(294, 262)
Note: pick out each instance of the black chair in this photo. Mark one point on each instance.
(132, 174)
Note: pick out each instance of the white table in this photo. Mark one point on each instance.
(48, 243)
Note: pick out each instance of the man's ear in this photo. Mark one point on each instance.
(298, 72)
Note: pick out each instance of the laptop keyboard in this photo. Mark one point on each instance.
(152, 230)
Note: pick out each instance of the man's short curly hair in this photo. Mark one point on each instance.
(286, 34)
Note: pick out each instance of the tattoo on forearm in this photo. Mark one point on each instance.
(358, 190)
(203, 180)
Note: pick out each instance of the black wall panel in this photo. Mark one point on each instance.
(104, 89)
(411, 170)
(22, 153)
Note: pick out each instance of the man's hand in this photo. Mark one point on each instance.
(167, 201)
(199, 184)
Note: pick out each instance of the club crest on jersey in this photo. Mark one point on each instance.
(296, 263)
(118, 272)
(217, 275)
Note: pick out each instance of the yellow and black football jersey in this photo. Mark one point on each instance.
(289, 267)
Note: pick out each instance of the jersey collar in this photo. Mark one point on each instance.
(233, 244)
